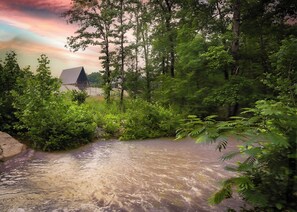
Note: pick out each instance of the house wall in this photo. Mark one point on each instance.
(82, 81)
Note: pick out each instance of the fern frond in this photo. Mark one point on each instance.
(210, 118)
(250, 160)
(253, 151)
(222, 145)
(231, 168)
(230, 155)
(218, 197)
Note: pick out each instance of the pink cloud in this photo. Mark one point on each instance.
(49, 5)
(60, 58)
(53, 27)
(51, 32)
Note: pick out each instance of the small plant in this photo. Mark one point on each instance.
(79, 96)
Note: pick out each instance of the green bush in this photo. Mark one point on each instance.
(108, 116)
(267, 177)
(58, 125)
(147, 120)
(47, 118)
(79, 96)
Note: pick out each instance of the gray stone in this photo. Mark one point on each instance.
(9, 146)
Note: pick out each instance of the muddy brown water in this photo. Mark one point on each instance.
(150, 175)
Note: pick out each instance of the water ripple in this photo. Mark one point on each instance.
(152, 175)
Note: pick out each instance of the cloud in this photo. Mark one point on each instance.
(53, 28)
(36, 6)
(29, 51)
(33, 27)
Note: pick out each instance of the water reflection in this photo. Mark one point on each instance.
(152, 175)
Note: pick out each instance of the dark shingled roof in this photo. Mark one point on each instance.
(70, 76)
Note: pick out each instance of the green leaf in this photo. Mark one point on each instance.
(230, 155)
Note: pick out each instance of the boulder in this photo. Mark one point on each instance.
(9, 146)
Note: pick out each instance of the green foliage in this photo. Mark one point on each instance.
(148, 120)
(79, 96)
(9, 73)
(107, 116)
(140, 120)
(47, 118)
(283, 79)
(134, 84)
(218, 59)
(95, 79)
(237, 89)
(267, 177)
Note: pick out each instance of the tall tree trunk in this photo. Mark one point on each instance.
(233, 110)
(122, 56)
(223, 31)
(236, 35)
(108, 75)
(172, 55)
(137, 43)
(163, 65)
(168, 17)
(147, 66)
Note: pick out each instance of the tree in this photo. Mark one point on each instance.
(95, 79)
(146, 39)
(165, 33)
(9, 73)
(267, 177)
(95, 20)
(123, 9)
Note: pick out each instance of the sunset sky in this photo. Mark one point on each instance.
(33, 27)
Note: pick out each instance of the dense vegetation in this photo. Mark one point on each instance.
(50, 120)
(210, 57)
(234, 59)
(95, 79)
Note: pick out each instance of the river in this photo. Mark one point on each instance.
(150, 175)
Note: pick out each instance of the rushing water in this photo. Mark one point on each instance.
(151, 175)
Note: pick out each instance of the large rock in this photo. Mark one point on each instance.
(9, 146)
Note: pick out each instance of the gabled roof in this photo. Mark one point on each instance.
(70, 76)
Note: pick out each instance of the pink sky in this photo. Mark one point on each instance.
(33, 27)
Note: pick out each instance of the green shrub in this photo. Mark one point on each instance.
(111, 123)
(107, 116)
(58, 125)
(47, 118)
(267, 177)
(147, 120)
(79, 96)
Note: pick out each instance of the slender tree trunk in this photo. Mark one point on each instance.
(233, 109)
(172, 56)
(163, 65)
(236, 36)
(107, 71)
(223, 31)
(171, 46)
(122, 56)
(265, 63)
(137, 43)
(147, 68)
(169, 30)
